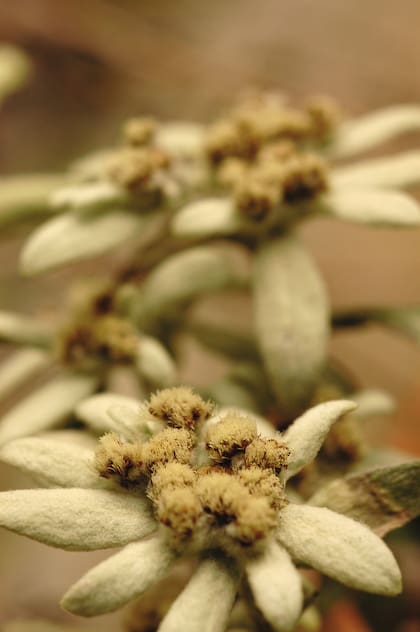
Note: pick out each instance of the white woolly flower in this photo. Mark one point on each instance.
(88, 514)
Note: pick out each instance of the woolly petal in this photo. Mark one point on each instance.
(277, 588)
(154, 363)
(95, 413)
(340, 548)
(76, 519)
(207, 218)
(72, 237)
(183, 277)
(396, 172)
(52, 463)
(307, 433)
(373, 129)
(19, 367)
(88, 196)
(206, 602)
(371, 206)
(292, 319)
(119, 579)
(47, 407)
(24, 330)
(23, 196)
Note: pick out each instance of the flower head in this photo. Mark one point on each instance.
(214, 488)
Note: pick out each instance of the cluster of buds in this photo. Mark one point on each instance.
(264, 152)
(213, 482)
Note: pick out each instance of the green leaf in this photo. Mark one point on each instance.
(384, 499)
(72, 237)
(292, 320)
(371, 206)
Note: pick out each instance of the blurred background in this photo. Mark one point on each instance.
(96, 63)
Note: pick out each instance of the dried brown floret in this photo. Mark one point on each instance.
(232, 171)
(139, 130)
(255, 520)
(227, 139)
(230, 435)
(325, 115)
(120, 461)
(171, 444)
(304, 177)
(105, 338)
(179, 407)
(116, 339)
(179, 509)
(277, 151)
(169, 477)
(264, 483)
(256, 198)
(220, 494)
(133, 168)
(267, 453)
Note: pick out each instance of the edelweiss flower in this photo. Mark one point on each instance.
(212, 486)
(91, 344)
(277, 164)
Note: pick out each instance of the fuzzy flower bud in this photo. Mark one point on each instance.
(179, 407)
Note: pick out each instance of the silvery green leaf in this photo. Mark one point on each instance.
(15, 67)
(276, 587)
(366, 132)
(395, 172)
(47, 407)
(119, 579)
(206, 602)
(183, 277)
(154, 363)
(76, 519)
(88, 196)
(24, 330)
(71, 436)
(371, 206)
(52, 463)
(110, 412)
(207, 218)
(373, 402)
(383, 498)
(405, 320)
(226, 341)
(228, 392)
(24, 196)
(306, 435)
(73, 237)
(181, 139)
(19, 367)
(340, 548)
(291, 319)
